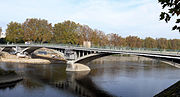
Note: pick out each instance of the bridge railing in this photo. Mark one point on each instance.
(98, 47)
(140, 49)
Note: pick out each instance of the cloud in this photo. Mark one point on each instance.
(125, 17)
(133, 18)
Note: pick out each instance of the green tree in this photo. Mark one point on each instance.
(150, 43)
(37, 30)
(14, 32)
(66, 32)
(173, 7)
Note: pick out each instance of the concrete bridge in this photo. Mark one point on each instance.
(76, 56)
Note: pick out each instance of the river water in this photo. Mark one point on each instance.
(109, 76)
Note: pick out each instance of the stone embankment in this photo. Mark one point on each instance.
(23, 60)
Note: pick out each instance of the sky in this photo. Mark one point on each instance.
(124, 17)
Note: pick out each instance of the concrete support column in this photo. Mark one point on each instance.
(79, 54)
(82, 53)
(75, 55)
(94, 51)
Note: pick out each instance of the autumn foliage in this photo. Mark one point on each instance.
(69, 32)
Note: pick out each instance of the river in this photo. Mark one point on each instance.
(109, 76)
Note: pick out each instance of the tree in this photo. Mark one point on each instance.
(103, 39)
(14, 32)
(37, 30)
(114, 39)
(162, 43)
(150, 43)
(66, 32)
(134, 41)
(173, 7)
(174, 44)
(94, 37)
(84, 32)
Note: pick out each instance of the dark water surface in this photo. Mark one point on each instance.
(106, 78)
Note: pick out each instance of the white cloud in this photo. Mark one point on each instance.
(141, 20)
(130, 17)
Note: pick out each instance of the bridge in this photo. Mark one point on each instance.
(76, 56)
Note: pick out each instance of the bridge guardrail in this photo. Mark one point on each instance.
(99, 47)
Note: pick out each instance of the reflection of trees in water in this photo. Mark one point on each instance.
(36, 75)
(129, 68)
(82, 85)
(5, 86)
(30, 83)
(38, 78)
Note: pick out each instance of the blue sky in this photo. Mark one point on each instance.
(124, 17)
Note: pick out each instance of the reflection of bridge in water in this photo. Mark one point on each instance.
(81, 54)
(77, 83)
(81, 85)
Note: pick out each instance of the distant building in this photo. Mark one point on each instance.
(2, 35)
(87, 44)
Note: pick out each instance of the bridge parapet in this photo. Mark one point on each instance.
(93, 48)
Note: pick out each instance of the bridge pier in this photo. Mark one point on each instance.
(82, 53)
(71, 66)
(79, 54)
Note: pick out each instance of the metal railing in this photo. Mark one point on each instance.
(95, 47)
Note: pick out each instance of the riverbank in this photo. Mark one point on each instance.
(36, 59)
(172, 91)
(23, 60)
